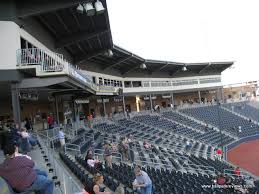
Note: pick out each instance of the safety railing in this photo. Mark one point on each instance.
(109, 139)
(68, 184)
(100, 152)
(47, 140)
(118, 116)
(72, 147)
(52, 133)
(69, 131)
(200, 167)
(51, 62)
(154, 164)
(232, 173)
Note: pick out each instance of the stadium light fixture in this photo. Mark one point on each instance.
(99, 7)
(143, 66)
(184, 68)
(108, 53)
(89, 8)
(80, 8)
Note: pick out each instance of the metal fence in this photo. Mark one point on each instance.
(68, 184)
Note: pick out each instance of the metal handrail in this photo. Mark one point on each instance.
(77, 149)
(52, 62)
(202, 166)
(102, 150)
(154, 163)
(91, 136)
(62, 173)
(49, 141)
(188, 169)
(232, 173)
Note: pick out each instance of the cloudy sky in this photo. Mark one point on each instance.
(191, 31)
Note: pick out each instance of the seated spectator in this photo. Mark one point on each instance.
(237, 171)
(19, 173)
(95, 187)
(146, 144)
(221, 180)
(91, 162)
(142, 182)
(149, 146)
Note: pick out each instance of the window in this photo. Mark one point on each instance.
(127, 84)
(94, 79)
(100, 81)
(23, 43)
(136, 83)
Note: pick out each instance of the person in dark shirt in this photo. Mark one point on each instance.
(91, 162)
(15, 136)
(94, 188)
(107, 155)
(19, 173)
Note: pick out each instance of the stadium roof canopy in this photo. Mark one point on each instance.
(81, 35)
(128, 64)
(88, 39)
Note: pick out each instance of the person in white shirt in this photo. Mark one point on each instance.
(24, 133)
(91, 162)
(61, 137)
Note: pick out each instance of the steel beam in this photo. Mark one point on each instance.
(77, 37)
(37, 7)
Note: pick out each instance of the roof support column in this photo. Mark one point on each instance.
(124, 106)
(222, 94)
(151, 103)
(104, 108)
(172, 99)
(76, 111)
(16, 104)
(56, 110)
(199, 94)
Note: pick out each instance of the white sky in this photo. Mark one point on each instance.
(191, 31)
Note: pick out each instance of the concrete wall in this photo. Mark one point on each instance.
(9, 44)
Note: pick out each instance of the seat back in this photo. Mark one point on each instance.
(4, 187)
